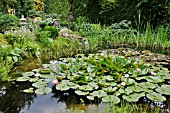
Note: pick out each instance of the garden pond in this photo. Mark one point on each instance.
(87, 82)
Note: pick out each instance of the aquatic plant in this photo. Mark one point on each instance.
(104, 76)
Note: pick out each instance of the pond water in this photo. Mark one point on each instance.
(13, 100)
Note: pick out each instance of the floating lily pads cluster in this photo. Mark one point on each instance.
(103, 76)
(39, 79)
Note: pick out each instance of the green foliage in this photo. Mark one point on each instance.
(59, 7)
(43, 38)
(7, 21)
(53, 31)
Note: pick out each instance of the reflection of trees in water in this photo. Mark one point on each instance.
(72, 100)
(13, 100)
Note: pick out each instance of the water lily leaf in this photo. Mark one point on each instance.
(36, 70)
(154, 79)
(128, 81)
(79, 92)
(43, 90)
(121, 91)
(111, 98)
(164, 89)
(86, 88)
(90, 97)
(30, 90)
(28, 74)
(34, 79)
(108, 78)
(62, 87)
(90, 69)
(93, 85)
(44, 71)
(156, 97)
(99, 93)
(137, 88)
(110, 89)
(147, 85)
(22, 79)
(132, 97)
(129, 90)
(39, 84)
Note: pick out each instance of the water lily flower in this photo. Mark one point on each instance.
(153, 73)
(37, 74)
(138, 69)
(102, 54)
(123, 83)
(127, 76)
(53, 62)
(54, 82)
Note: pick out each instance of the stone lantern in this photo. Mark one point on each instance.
(23, 22)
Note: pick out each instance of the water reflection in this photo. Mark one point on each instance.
(12, 100)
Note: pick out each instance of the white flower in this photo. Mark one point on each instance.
(54, 82)
(138, 69)
(102, 54)
(127, 76)
(153, 73)
(37, 74)
(123, 83)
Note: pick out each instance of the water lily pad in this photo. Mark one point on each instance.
(86, 88)
(30, 90)
(22, 79)
(111, 98)
(34, 79)
(156, 97)
(132, 97)
(36, 70)
(62, 87)
(155, 79)
(147, 85)
(99, 93)
(39, 84)
(43, 90)
(28, 74)
(90, 97)
(110, 89)
(79, 92)
(164, 89)
(44, 71)
(93, 85)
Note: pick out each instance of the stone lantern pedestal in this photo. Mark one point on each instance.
(23, 22)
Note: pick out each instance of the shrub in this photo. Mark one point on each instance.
(7, 20)
(52, 30)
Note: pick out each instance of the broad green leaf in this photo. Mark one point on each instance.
(132, 97)
(28, 74)
(111, 98)
(30, 90)
(99, 93)
(43, 90)
(164, 89)
(62, 87)
(39, 84)
(90, 97)
(22, 79)
(147, 85)
(86, 88)
(156, 97)
(79, 92)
